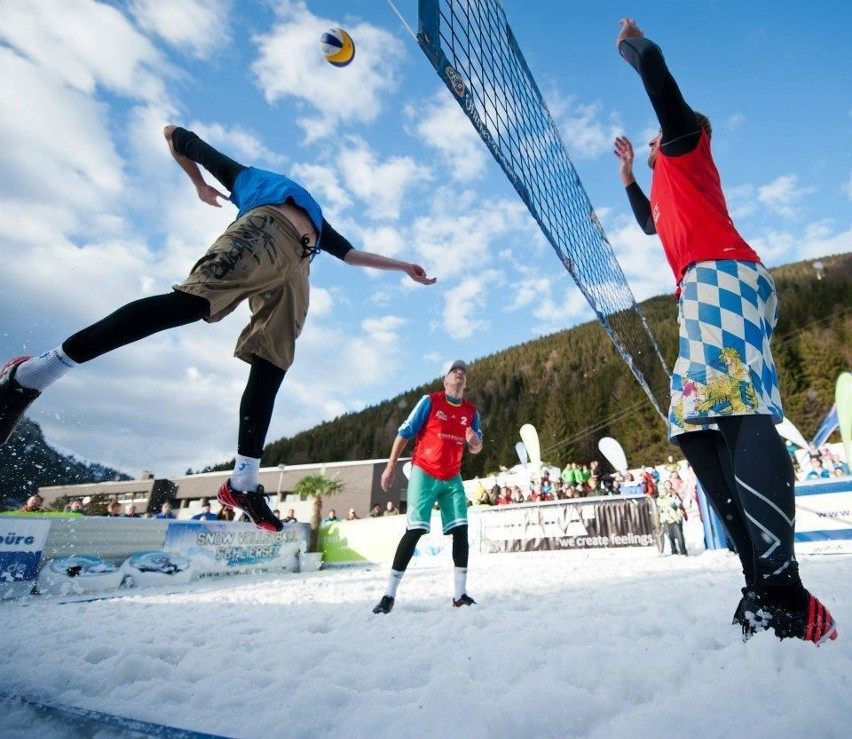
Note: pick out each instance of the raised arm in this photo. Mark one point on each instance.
(638, 200)
(206, 193)
(680, 128)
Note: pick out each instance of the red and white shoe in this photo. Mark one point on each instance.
(253, 504)
(814, 623)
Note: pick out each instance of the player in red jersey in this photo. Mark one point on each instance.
(442, 425)
(725, 398)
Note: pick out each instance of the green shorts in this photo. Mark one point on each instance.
(424, 490)
(259, 259)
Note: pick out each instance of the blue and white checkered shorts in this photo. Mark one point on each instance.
(727, 312)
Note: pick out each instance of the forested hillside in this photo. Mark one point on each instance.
(575, 388)
(27, 462)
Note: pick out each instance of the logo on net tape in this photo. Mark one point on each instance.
(456, 81)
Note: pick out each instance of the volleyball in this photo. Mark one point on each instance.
(337, 47)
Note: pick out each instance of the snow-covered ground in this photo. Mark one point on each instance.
(597, 644)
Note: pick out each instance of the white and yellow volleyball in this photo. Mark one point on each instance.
(337, 47)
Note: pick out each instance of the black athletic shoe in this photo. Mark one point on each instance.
(465, 600)
(252, 504)
(385, 605)
(739, 618)
(813, 623)
(14, 399)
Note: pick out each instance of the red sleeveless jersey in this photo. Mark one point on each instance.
(440, 444)
(690, 213)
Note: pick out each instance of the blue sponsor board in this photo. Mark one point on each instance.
(824, 510)
(21, 545)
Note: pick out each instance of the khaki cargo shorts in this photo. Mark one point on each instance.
(259, 259)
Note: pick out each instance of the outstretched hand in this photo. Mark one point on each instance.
(624, 151)
(629, 29)
(418, 274)
(210, 195)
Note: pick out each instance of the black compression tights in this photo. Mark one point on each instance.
(135, 321)
(408, 543)
(148, 316)
(748, 477)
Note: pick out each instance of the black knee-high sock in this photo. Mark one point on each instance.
(461, 546)
(256, 406)
(708, 454)
(405, 549)
(765, 482)
(135, 321)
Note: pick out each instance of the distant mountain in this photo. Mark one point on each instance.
(27, 461)
(575, 388)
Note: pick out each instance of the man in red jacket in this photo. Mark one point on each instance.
(442, 425)
(725, 398)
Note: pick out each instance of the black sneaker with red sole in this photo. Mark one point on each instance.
(813, 623)
(253, 504)
(465, 600)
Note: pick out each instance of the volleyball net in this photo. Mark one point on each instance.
(473, 50)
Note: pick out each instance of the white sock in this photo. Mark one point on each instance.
(393, 582)
(460, 577)
(244, 476)
(39, 372)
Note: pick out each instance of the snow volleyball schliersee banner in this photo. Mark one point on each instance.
(212, 546)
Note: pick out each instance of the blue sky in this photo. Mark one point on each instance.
(95, 213)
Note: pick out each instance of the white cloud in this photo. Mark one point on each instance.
(585, 135)
(464, 304)
(782, 195)
(440, 124)
(381, 185)
(817, 239)
(51, 148)
(85, 44)
(290, 64)
(459, 234)
(327, 183)
(239, 144)
(199, 27)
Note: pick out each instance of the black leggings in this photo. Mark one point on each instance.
(408, 543)
(148, 316)
(748, 477)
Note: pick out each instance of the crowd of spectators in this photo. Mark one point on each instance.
(578, 480)
(817, 463)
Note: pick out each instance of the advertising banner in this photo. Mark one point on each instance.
(220, 546)
(21, 545)
(824, 510)
(376, 540)
(591, 523)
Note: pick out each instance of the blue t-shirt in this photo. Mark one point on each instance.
(255, 187)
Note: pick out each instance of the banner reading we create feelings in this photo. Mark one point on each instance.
(591, 524)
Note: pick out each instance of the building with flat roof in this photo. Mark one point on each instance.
(361, 481)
